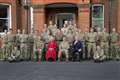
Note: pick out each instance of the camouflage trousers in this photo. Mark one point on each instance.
(105, 47)
(65, 51)
(91, 46)
(114, 51)
(37, 54)
(24, 51)
(7, 50)
(30, 51)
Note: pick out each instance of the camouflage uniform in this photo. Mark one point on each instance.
(5, 46)
(23, 46)
(99, 54)
(91, 43)
(114, 38)
(38, 48)
(15, 55)
(11, 42)
(17, 40)
(63, 47)
(30, 45)
(70, 36)
(104, 43)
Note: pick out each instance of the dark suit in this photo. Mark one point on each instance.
(76, 53)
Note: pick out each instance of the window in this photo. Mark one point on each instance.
(97, 15)
(5, 17)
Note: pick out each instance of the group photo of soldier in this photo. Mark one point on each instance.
(67, 43)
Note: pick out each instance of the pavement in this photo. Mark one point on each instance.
(85, 70)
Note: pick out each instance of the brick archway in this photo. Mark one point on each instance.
(79, 8)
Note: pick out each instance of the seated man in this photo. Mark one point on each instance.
(15, 55)
(77, 49)
(38, 47)
(99, 55)
(63, 47)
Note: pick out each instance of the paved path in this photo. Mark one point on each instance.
(86, 70)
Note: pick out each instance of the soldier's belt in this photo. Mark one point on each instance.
(104, 41)
(23, 42)
(91, 42)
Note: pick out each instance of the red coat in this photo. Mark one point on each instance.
(51, 50)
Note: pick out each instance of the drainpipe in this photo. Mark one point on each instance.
(110, 25)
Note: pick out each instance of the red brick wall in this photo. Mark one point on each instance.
(38, 19)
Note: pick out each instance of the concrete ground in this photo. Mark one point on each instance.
(86, 70)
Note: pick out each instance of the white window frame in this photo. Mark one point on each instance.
(9, 17)
(98, 18)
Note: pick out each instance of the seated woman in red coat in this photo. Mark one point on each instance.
(51, 49)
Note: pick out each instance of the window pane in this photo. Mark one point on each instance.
(97, 16)
(3, 17)
(97, 12)
(3, 25)
(3, 11)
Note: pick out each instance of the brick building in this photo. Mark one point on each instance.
(28, 14)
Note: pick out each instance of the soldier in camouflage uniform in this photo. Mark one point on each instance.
(70, 36)
(52, 28)
(17, 39)
(11, 41)
(65, 28)
(23, 45)
(38, 47)
(58, 36)
(15, 55)
(30, 44)
(5, 45)
(99, 55)
(104, 42)
(91, 43)
(63, 47)
(114, 38)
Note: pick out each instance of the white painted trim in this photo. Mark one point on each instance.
(31, 17)
(9, 16)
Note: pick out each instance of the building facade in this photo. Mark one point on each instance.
(33, 14)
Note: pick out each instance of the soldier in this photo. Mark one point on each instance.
(70, 36)
(52, 28)
(17, 39)
(46, 35)
(99, 54)
(91, 39)
(65, 28)
(114, 38)
(30, 44)
(11, 41)
(23, 45)
(85, 46)
(104, 42)
(63, 47)
(58, 36)
(5, 45)
(38, 47)
(15, 55)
